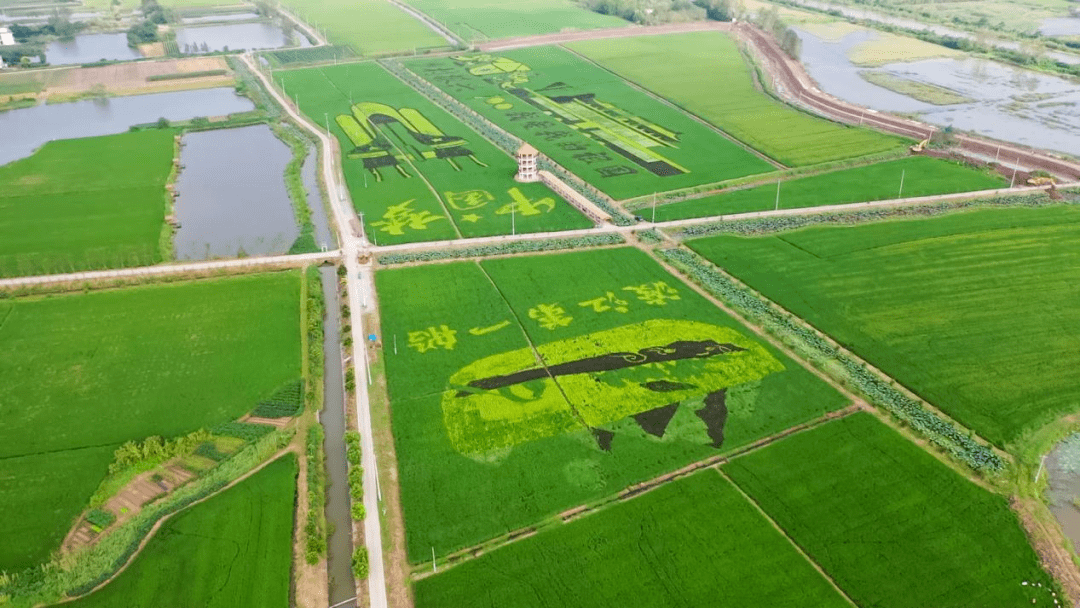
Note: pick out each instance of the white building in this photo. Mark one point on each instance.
(526, 158)
(6, 38)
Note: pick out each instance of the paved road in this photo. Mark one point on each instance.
(166, 269)
(358, 284)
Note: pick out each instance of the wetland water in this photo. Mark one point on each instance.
(247, 36)
(23, 131)
(231, 197)
(332, 417)
(88, 48)
(1012, 104)
(1063, 471)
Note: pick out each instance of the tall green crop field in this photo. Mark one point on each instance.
(478, 20)
(907, 177)
(692, 542)
(618, 138)
(975, 311)
(234, 550)
(369, 27)
(524, 386)
(890, 524)
(85, 373)
(706, 73)
(79, 204)
(415, 172)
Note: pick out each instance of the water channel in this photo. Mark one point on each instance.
(332, 417)
(88, 48)
(25, 130)
(324, 236)
(1063, 471)
(231, 197)
(214, 18)
(1010, 103)
(236, 36)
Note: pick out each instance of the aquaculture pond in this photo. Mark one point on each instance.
(235, 36)
(88, 48)
(25, 130)
(231, 198)
(1063, 469)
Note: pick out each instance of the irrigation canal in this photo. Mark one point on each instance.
(339, 548)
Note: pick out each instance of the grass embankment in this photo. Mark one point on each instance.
(82, 204)
(468, 461)
(619, 139)
(430, 176)
(921, 175)
(692, 542)
(477, 20)
(235, 549)
(86, 373)
(969, 310)
(705, 73)
(890, 524)
(370, 27)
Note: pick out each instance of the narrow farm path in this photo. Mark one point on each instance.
(628, 31)
(432, 24)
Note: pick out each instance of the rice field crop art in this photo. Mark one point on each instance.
(525, 386)
(414, 171)
(617, 138)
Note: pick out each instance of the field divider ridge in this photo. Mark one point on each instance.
(798, 548)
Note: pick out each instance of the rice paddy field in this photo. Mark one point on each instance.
(921, 176)
(692, 542)
(478, 20)
(79, 204)
(235, 549)
(974, 311)
(525, 386)
(891, 525)
(619, 139)
(415, 172)
(84, 373)
(369, 27)
(705, 73)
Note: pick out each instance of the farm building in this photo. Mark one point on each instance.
(6, 37)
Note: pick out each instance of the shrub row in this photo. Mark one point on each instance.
(599, 240)
(315, 531)
(356, 474)
(242, 430)
(505, 141)
(767, 225)
(183, 75)
(360, 563)
(153, 450)
(939, 431)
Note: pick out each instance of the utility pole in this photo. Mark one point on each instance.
(1015, 167)
(654, 207)
(777, 207)
(513, 219)
(326, 116)
(902, 172)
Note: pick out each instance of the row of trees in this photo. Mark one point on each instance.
(146, 31)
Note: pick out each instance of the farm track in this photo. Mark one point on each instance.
(507, 44)
(432, 24)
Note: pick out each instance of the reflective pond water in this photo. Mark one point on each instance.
(236, 36)
(88, 48)
(1063, 470)
(324, 236)
(215, 18)
(1060, 26)
(23, 131)
(231, 197)
(1012, 104)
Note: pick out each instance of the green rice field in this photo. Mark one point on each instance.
(234, 550)
(79, 204)
(921, 176)
(619, 139)
(640, 376)
(84, 373)
(415, 172)
(705, 73)
(974, 311)
(478, 20)
(691, 542)
(370, 27)
(892, 526)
